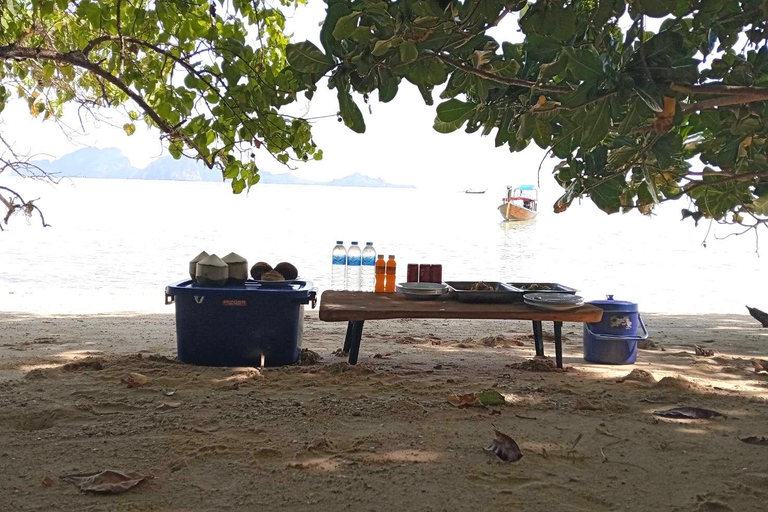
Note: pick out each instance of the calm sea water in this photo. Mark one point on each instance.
(115, 244)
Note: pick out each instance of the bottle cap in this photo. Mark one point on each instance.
(369, 243)
(391, 256)
(339, 242)
(354, 243)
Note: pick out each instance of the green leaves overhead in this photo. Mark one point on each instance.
(308, 58)
(623, 109)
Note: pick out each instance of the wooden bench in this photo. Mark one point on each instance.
(357, 307)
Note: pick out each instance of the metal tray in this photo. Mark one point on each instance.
(501, 292)
(552, 288)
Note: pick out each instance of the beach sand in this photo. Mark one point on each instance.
(381, 435)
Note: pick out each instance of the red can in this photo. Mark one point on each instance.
(413, 273)
(436, 273)
(425, 273)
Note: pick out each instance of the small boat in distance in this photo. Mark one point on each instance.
(472, 191)
(521, 203)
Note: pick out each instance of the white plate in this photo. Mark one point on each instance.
(552, 298)
(554, 307)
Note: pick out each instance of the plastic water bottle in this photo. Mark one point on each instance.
(339, 267)
(368, 274)
(354, 261)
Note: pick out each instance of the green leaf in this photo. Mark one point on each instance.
(651, 96)
(382, 47)
(584, 63)
(387, 85)
(607, 195)
(335, 12)
(596, 123)
(490, 397)
(454, 110)
(129, 128)
(308, 58)
(443, 127)
(408, 52)
(760, 206)
(346, 26)
(656, 8)
(350, 112)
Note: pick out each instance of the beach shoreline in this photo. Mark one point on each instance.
(381, 435)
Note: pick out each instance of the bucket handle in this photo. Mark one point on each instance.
(313, 297)
(609, 337)
(169, 299)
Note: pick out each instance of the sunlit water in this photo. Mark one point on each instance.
(115, 244)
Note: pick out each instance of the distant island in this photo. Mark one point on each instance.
(110, 163)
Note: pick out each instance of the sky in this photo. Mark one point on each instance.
(399, 145)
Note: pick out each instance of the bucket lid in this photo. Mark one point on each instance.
(615, 305)
(296, 289)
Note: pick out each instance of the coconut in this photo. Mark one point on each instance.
(258, 269)
(211, 271)
(238, 268)
(193, 263)
(272, 275)
(288, 271)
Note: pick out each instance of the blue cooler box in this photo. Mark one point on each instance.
(244, 325)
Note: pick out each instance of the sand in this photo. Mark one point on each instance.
(381, 435)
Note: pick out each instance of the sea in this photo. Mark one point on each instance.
(114, 245)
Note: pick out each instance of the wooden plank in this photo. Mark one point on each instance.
(354, 306)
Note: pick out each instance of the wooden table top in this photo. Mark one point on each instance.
(355, 306)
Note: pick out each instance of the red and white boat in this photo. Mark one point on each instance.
(521, 203)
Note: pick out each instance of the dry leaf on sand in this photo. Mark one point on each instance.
(134, 380)
(168, 405)
(483, 399)
(705, 352)
(107, 481)
(762, 441)
(689, 413)
(504, 447)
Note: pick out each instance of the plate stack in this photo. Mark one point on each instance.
(422, 291)
(553, 301)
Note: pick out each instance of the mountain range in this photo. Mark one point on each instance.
(111, 163)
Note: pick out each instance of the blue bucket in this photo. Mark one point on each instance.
(614, 339)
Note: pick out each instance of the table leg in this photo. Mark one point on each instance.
(354, 334)
(538, 338)
(559, 344)
(348, 337)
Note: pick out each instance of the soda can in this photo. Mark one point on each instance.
(436, 273)
(425, 273)
(413, 273)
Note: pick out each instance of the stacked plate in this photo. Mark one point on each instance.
(553, 301)
(422, 291)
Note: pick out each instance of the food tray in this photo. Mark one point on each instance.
(551, 287)
(501, 292)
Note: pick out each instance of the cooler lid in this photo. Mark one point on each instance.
(610, 304)
(295, 289)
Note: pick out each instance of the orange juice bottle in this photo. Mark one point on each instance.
(389, 287)
(381, 272)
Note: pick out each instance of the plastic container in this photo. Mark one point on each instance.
(391, 281)
(250, 325)
(381, 274)
(368, 272)
(339, 267)
(354, 264)
(614, 339)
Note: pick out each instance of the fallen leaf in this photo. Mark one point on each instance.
(107, 481)
(168, 405)
(761, 365)
(47, 482)
(484, 398)
(504, 447)
(581, 404)
(689, 413)
(762, 441)
(134, 380)
(467, 400)
(705, 352)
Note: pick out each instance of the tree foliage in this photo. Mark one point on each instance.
(209, 74)
(624, 111)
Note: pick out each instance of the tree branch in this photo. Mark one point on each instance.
(514, 82)
(726, 90)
